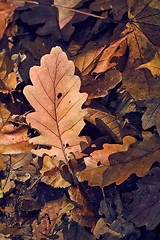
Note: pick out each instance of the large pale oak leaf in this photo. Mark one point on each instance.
(55, 96)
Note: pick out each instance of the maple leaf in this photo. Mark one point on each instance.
(144, 22)
(55, 96)
(98, 162)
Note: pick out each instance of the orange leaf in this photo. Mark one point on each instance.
(56, 98)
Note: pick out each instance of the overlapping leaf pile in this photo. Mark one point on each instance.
(79, 119)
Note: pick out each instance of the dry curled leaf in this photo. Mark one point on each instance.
(55, 96)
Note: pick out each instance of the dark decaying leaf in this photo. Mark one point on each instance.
(151, 116)
(144, 210)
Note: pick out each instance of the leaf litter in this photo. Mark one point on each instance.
(79, 119)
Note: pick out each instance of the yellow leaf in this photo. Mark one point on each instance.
(153, 65)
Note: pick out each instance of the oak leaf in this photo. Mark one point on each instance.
(55, 96)
(98, 162)
(138, 159)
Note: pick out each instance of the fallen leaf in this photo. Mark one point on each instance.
(151, 116)
(2, 163)
(118, 8)
(100, 87)
(102, 227)
(144, 208)
(105, 122)
(115, 49)
(8, 79)
(97, 59)
(6, 13)
(86, 60)
(65, 15)
(142, 42)
(98, 163)
(83, 212)
(53, 174)
(138, 159)
(153, 65)
(50, 215)
(58, 116)
(13, 140)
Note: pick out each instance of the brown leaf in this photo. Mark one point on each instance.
(115, 49)
(105, 122)
(100, 87)
(97, 59)
(8, 80)
(153, 65)
(118, 8)
(83, 212)
(103, 228)
(98, 163)
(65, 15)
(56, 98)
(53, 174)
(50, 215)
(142, 49)
(13, 140)
(144, 209)
(6, 12)
(138, 159)
(151, 116)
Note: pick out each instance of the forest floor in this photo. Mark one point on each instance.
(80, 154)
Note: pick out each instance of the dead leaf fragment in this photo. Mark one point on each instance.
(56, 98)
